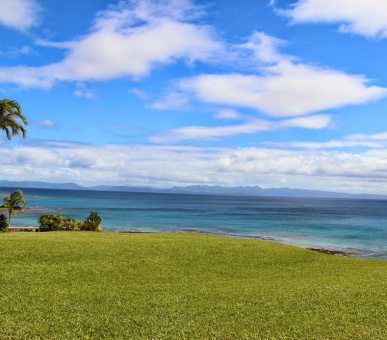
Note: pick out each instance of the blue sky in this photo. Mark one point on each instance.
(163, 93)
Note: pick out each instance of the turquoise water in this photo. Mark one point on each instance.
(343, 224)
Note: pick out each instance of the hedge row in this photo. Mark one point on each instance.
(51, 222)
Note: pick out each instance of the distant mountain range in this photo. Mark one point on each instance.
(194, 189)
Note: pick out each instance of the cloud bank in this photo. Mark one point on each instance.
(182, 165)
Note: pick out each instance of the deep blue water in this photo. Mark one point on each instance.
(343, 224)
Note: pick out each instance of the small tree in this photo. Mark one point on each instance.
(10, 116)
(92, 222)
(3, 223)
(11, 204)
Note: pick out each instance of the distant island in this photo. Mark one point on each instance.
(194, 189)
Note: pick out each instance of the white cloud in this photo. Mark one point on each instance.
(367, 18)
(264, 47)
(25, 76)
(382, 136)
(279, 87)
(139, 93)
(127, 40)
(288, 90)
(26, 50)
(228, 114)
(15, 52)
(253, 125)
(376, 140)
(19, 14)
(171, 101)
(332, 144)
(136, 164)
(83, 92)
(46, 124)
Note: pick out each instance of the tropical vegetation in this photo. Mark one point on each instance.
(12, 203)
(3, 223)
(86, 285)
(92, 222)
(55, 222)
(10, 116)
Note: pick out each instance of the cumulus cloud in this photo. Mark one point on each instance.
(278, 86)
(367, 18)
(128, 39)
(19, 14)
(136, 164)
(287, 89)
(253, 125)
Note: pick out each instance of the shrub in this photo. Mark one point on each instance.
(3, 223)
(78, 225)
(92, 222)
(66, 223)
(50, 222)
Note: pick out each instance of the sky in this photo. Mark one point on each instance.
(268, 93)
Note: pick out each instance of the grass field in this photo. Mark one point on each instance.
(70, 285)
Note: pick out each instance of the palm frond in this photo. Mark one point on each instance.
(10, 111)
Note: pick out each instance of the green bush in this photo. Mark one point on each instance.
(76, 225)
(92, 222)
(52, 222)
(66, 223)
(3, 223)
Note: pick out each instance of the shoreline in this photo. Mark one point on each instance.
(332, 252)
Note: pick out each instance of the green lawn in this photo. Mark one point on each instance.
(65, 285)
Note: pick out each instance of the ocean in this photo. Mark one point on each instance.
(354, 225)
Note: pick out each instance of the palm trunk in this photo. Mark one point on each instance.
(9, 220)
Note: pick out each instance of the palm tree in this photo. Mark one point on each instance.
(11, 204)
(10, 110)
